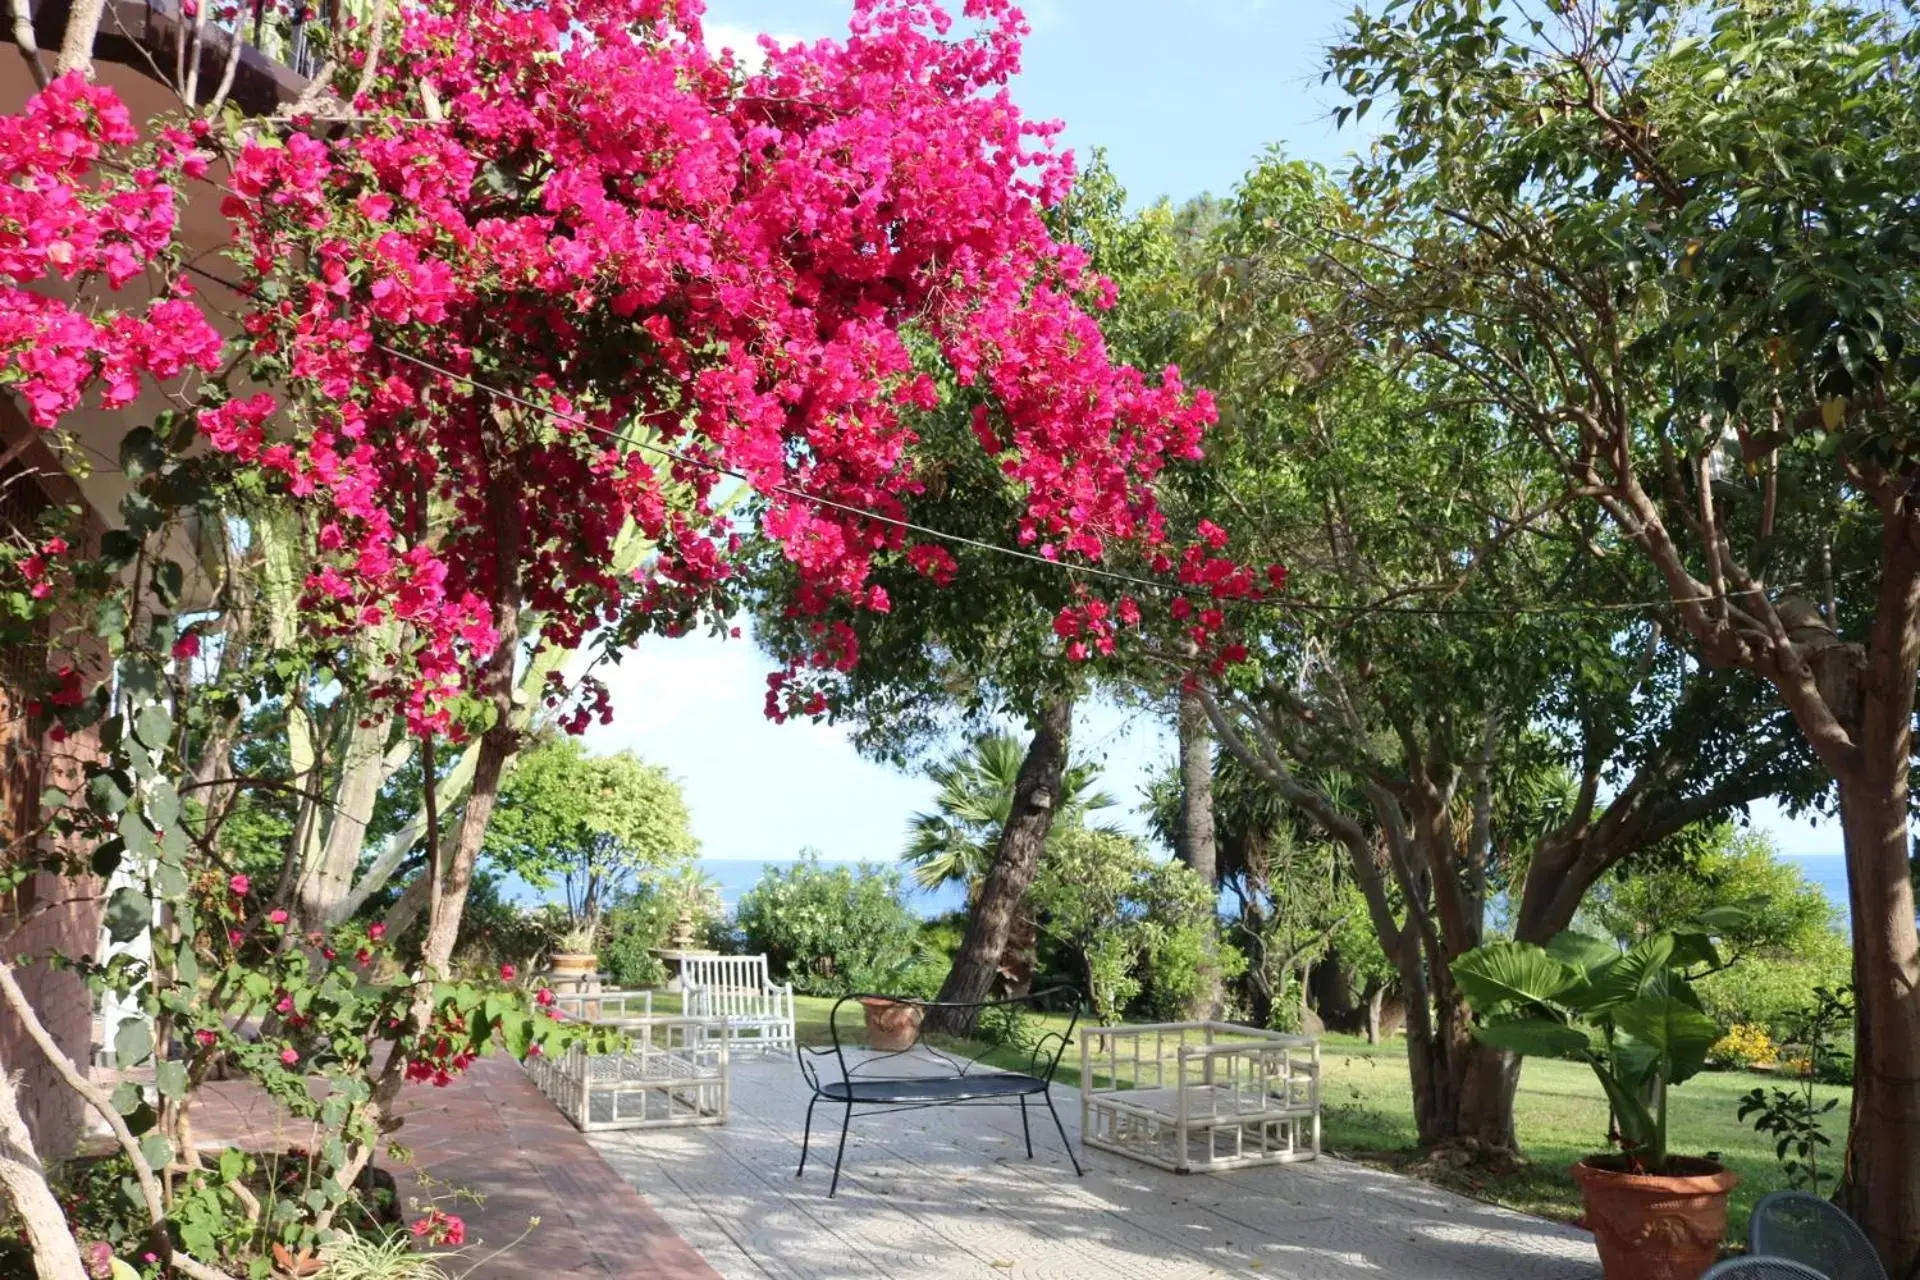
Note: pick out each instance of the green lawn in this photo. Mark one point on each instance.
(1367, 1115)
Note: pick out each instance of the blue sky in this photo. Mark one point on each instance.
(1184, 95)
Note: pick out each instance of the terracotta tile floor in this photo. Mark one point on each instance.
(491, 1133)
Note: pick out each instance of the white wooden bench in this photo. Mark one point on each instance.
(736, 990)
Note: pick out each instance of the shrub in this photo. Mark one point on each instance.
(644, 921)
(1769, 994)
(1011, 1026)
(821, 927)
(942, 935)
(1743, 1047)
(494, 931)
(1134, 930)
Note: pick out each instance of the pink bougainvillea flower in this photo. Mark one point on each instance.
(506, 973)
(289, 1056)
(239, 885)
(277, 916)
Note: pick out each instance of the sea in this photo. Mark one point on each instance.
(735, 876)
(1829, 871)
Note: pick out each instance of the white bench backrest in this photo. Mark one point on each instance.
(733, 986)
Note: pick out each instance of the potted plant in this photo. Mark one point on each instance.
(894, 1008)
(1634, 1018)
(573, 958)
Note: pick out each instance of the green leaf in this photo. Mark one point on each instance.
(141, 679)
(168, 582)
(126, 1097)
(1693, 947)
(1510, 972)
(119, 1270)
(1673, 1029)
(1582, 952)
(187, 967)
(156, 1151)
(132, 1043)
(128, 913)
(516, 1031)
(118, 549)
(108, 792)
(170, 1078)
(1630, 1114)
(1727, 916)
(106, 858)
(170, 881)
(1540, 1037)
(141, 453)
(163, 805)
(154, 726)
(1631, 974)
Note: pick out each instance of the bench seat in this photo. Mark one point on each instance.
(932, 1089)
(897, 1067)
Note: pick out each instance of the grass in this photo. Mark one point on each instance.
(1561, 1115)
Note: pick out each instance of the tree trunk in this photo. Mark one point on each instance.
(1376, 1000)
(1195, 844)
(1881, 1181)
(24, 1180)
(1489, 1079)
(1016, 858)
(327, 878)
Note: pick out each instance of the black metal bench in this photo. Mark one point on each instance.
(926, 1074)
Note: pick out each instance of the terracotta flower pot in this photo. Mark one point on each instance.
(573, 965)
(1655, 1227)
(891, 1024)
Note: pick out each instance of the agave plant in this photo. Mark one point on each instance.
(578, 938)
(1632, 1016)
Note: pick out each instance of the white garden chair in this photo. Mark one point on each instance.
(736, 990)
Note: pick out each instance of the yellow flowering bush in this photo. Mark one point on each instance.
(1744, 1046)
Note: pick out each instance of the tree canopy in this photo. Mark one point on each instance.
(592, 823)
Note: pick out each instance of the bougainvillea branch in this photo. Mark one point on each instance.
(549, 274)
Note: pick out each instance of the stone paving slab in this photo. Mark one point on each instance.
(948, 1194)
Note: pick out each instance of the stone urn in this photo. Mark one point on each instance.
(682, 939)
(1655, 1226)
(892, 1025)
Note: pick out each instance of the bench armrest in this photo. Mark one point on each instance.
(1039, 1063)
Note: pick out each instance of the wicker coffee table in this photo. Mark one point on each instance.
(1200, 1096)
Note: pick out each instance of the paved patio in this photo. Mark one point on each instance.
(948, 1193)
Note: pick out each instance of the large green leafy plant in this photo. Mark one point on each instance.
(1633, 1016)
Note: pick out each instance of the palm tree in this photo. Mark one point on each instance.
(955, 842)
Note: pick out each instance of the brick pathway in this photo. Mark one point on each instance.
(490, 1132)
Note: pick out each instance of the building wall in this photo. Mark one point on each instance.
(50, 915)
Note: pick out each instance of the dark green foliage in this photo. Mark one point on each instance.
(494, 931)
